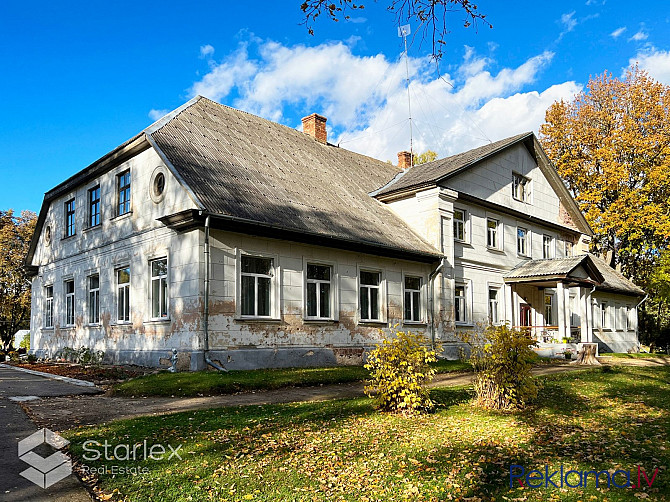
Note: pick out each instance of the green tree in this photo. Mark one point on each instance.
(15, 235)
(422, 158)
(611, 145)
(429, 17)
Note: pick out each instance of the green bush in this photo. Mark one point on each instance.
(32, 358)
(25, 343)
(399, 372)
(82, 355)
(502, 359)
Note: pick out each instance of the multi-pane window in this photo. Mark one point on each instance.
(69, 303)
(568, 248)
(521, 188)
(459, 224)
(604, 321)
(49, 307)
(123, 294)
(256, 287)
(494, 317)
(94, 299)
(94, 207)
(159, 289)
(492, 233)
(460, 304)
(546, 247)
(369, 295)
(629, 317)
(70, 222)
(548, 310)
(123, 205)
(521, 241)
(594, 315)
(318, 291)
(412, 298)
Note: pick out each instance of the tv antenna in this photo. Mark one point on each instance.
(404, 31)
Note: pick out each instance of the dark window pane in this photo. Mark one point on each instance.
(318, 272)
(417, 304)
(263, 296)
(69, 286)
(365, 305)
(158, 268)
(374, 303)
(155, 298)
(370, 278)
(254, 265)
(248, 295)
(311, 299)
(123, 275)
(412, 283)
(94, 281)
(408, 306)
(324, 300)
(164, 298)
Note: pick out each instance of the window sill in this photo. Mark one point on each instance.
(66, 237)
(90, 229)
(68, 326)
(464, 324)
(157, 321)
(93, 325)
(48, 328)
(268, 320)
(122, 216)
(462, 243)
(523, 256)
(370, 322)
(311, 320)
(414, 323)
(495, 250)
(123, 323)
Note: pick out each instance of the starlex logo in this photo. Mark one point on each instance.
(45, 472)
(578, 479)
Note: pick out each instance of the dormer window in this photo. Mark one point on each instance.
(520, 188)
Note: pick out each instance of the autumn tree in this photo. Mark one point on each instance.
(428, 16)
(422, 158)
(655, 319)
(611, 145)
(15, 235)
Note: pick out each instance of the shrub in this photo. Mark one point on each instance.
(502, 359)
(399, 372)
(83, 355)
(14, 356)
(25, 343)
(32, 358)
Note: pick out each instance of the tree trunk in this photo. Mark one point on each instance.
(587, 356)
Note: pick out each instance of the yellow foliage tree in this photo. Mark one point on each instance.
(611, 145)
(422, 158)
(15, 235)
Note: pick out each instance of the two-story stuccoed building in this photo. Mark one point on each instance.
(245, 243)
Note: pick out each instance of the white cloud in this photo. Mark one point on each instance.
(639, 36)
(655, 62)
(618, 32)
(568, 21)
(156, 114)
(206, 50)
(365, 98)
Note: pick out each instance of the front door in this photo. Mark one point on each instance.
(525, 315)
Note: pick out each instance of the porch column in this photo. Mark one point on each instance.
(584, 314)
(509, 307)
(560, 297)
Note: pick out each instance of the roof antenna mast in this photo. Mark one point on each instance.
(404, 31)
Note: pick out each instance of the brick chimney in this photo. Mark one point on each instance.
(404, 160)
(314, 125)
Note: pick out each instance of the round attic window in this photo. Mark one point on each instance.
(158, 181)
(47, 235)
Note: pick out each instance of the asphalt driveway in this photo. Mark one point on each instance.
(15, 426)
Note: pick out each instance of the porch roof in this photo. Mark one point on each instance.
(575, 269)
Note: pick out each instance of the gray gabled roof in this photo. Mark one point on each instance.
(600, 273)
(432, 172)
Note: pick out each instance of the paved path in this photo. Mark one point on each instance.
(15, 425)
(61, 413)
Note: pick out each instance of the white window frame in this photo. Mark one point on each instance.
(275, 285)
(422, 298)
(630, 321)
(493, 232)
(334, 295)
(93, 300)
(552, 302)
(127, 191)
(519, 180)
(70, 302)
(498, 302)
(381, 298)
(125, 287)
(467, 300)
(568, 248)
(463, 222)
(48, 306)
(70, 225)
(595, 315)
(548, 247)
(166, 298)
(526, 242)
(605, 321)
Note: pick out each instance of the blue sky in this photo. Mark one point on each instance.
(79, 78)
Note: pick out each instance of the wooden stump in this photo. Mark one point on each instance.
(587, 356)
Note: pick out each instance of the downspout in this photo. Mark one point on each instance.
(205, 316)
(431, 277)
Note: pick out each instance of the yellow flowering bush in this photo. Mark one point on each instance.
(399, 371)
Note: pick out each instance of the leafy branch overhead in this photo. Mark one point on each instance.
(429, 17)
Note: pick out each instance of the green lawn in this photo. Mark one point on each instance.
(344, 450)
(634, 355)
(210, 383)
